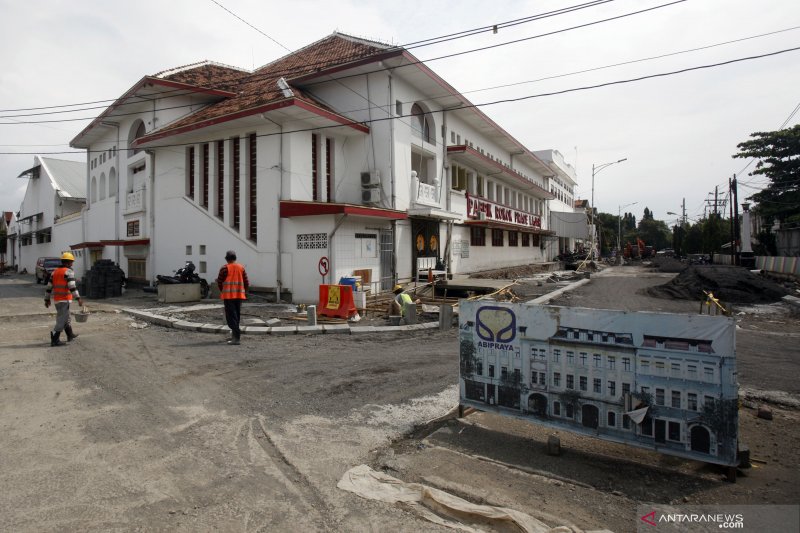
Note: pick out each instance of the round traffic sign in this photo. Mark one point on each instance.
(323, 266)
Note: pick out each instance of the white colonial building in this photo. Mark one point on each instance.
(49, 218)
(347, 149)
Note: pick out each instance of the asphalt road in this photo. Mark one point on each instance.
(160, 429)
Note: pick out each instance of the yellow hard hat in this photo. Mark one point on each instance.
(397, 287)
(66, 256)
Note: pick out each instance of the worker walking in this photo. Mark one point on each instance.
(233, 284)
(62, 287)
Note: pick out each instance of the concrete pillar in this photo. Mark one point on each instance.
(553, 445)
(311, 314)
(410, 312)
(445, 317)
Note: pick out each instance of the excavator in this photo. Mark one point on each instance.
(638, 250)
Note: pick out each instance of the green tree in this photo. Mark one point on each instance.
(648, 215)
(706, 236)
(607, 227)
(628, 222)
(693, 240)
(778, 154)
(654, 233)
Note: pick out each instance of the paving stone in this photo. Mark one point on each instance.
(309, 329)
(211, 328)
(256, 330)
(388, 329)
(336, 328)
(283, 330)
(189, 326)
(362, 329)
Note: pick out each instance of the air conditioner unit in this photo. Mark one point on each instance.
(371, 196)
(371, 179)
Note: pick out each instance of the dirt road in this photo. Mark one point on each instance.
(160, 429)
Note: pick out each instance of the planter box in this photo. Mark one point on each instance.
(179, 292)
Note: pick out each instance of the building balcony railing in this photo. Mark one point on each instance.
(423, 193)
(135, 201)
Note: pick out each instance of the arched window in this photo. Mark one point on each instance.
(137, 130)
(102, 191)
(421, 123)
(93, 196)
(112, 183)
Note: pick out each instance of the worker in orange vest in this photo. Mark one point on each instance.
(233, 284)
(62, 287)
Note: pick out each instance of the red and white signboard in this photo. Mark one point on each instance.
(501, 213)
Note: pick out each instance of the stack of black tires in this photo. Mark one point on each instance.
(104, 280)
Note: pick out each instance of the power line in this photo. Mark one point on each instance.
(618, 82)
(783, 125)
(640, 60)
(306, 66)
(502, 25)
(508, 100)
(467, 33)
(259, 31)
(516, 41)
(434, 98)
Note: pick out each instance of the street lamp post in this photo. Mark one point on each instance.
(679, 223)
(619, 224)
(596, 170)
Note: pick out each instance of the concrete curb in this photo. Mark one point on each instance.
(555, 294)
(319, 329)
(329, 329)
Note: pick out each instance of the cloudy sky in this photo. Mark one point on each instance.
(678, 132)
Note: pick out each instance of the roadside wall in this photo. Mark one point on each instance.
(774, 264)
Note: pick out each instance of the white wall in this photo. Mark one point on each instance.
(490, 257)
(40, 197)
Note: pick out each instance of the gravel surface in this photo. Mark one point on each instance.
(136, 426)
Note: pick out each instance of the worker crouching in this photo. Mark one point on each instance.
(401, 298)
(63, 289)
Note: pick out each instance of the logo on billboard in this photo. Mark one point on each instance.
(496, 324)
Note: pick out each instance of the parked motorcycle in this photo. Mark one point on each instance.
(186, 274)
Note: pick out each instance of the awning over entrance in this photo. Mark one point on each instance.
(104, 243)
(481, 163)
(434, 212)
(295, 208)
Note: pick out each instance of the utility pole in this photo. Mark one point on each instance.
(736, 228)
(716, 192)
(733, 236)
(683, 220)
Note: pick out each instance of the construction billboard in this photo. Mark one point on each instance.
(661, 381)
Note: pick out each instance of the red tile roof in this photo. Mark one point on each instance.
(206, 74)
(259, 88)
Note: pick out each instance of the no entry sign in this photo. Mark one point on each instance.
(323, 266)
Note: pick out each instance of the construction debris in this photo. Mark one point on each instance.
(728, 283)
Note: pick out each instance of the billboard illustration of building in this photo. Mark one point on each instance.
(661, 381)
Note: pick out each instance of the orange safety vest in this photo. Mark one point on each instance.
(233, 286)
(61, 292)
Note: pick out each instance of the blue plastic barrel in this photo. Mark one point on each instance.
(348, 281)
